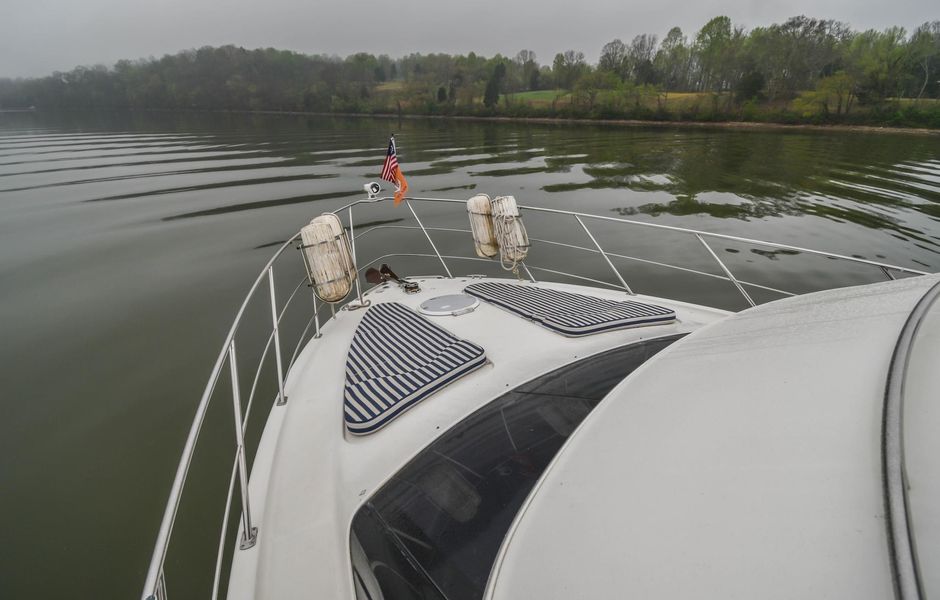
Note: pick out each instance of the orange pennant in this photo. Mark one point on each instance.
(402, 187)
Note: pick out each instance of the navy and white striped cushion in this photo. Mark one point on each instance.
(397, 358)
(567, 313)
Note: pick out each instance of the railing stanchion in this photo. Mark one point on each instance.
(430, 241)
(352, 241)
(528, 272)
(313, 293)
(161, 587)
(316, 318)
(282, 397)
(249, 533)
(727, 271)
(604, 254)
(220, 553)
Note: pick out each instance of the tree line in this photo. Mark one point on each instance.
(802, 69)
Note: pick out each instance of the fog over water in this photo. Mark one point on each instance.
(40, 36)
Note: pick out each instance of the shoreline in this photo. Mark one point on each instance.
(637, 123)
(738, 125)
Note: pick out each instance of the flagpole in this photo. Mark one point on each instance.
(391, 138)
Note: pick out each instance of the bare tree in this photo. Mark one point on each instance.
(672, 60)
(528, 68)
(925, 51)
(640, 58)
(613, 58)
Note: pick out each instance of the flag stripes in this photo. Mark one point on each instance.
(391, 163)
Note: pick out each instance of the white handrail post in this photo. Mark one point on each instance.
(282, 397)
(220, 553)
(604, 254)
(430, 241)
(352, 241)
(727, 271)
(161, 587)
(316, 318)
(316, 311)
(528, 272)
(249, 533)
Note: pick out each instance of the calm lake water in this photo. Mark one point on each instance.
(127, 243)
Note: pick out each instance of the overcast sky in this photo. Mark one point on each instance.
(41, 36)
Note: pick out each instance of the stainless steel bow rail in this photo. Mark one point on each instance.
(155, 587)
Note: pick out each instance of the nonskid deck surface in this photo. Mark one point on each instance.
(396, 359)
(310, 475)
(567, 313)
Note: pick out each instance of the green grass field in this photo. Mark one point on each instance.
(390, 86)
(542, 97)
(545, 98)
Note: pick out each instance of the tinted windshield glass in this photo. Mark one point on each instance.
(434, 530)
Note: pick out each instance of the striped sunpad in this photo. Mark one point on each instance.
(396, 359)
(567, 313)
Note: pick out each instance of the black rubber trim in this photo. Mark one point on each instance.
(901, 549)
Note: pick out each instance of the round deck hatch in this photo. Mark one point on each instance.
(451, 304)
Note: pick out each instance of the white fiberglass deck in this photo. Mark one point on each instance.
(310, 475)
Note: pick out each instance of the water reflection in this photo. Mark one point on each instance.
(885, 182)
(687, 206)
(232, 208)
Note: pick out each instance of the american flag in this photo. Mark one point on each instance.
(390, 168)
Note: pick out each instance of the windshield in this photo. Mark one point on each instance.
(433, 531)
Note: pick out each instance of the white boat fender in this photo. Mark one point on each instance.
(481, 225)
(510, 232)
(328, 258)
